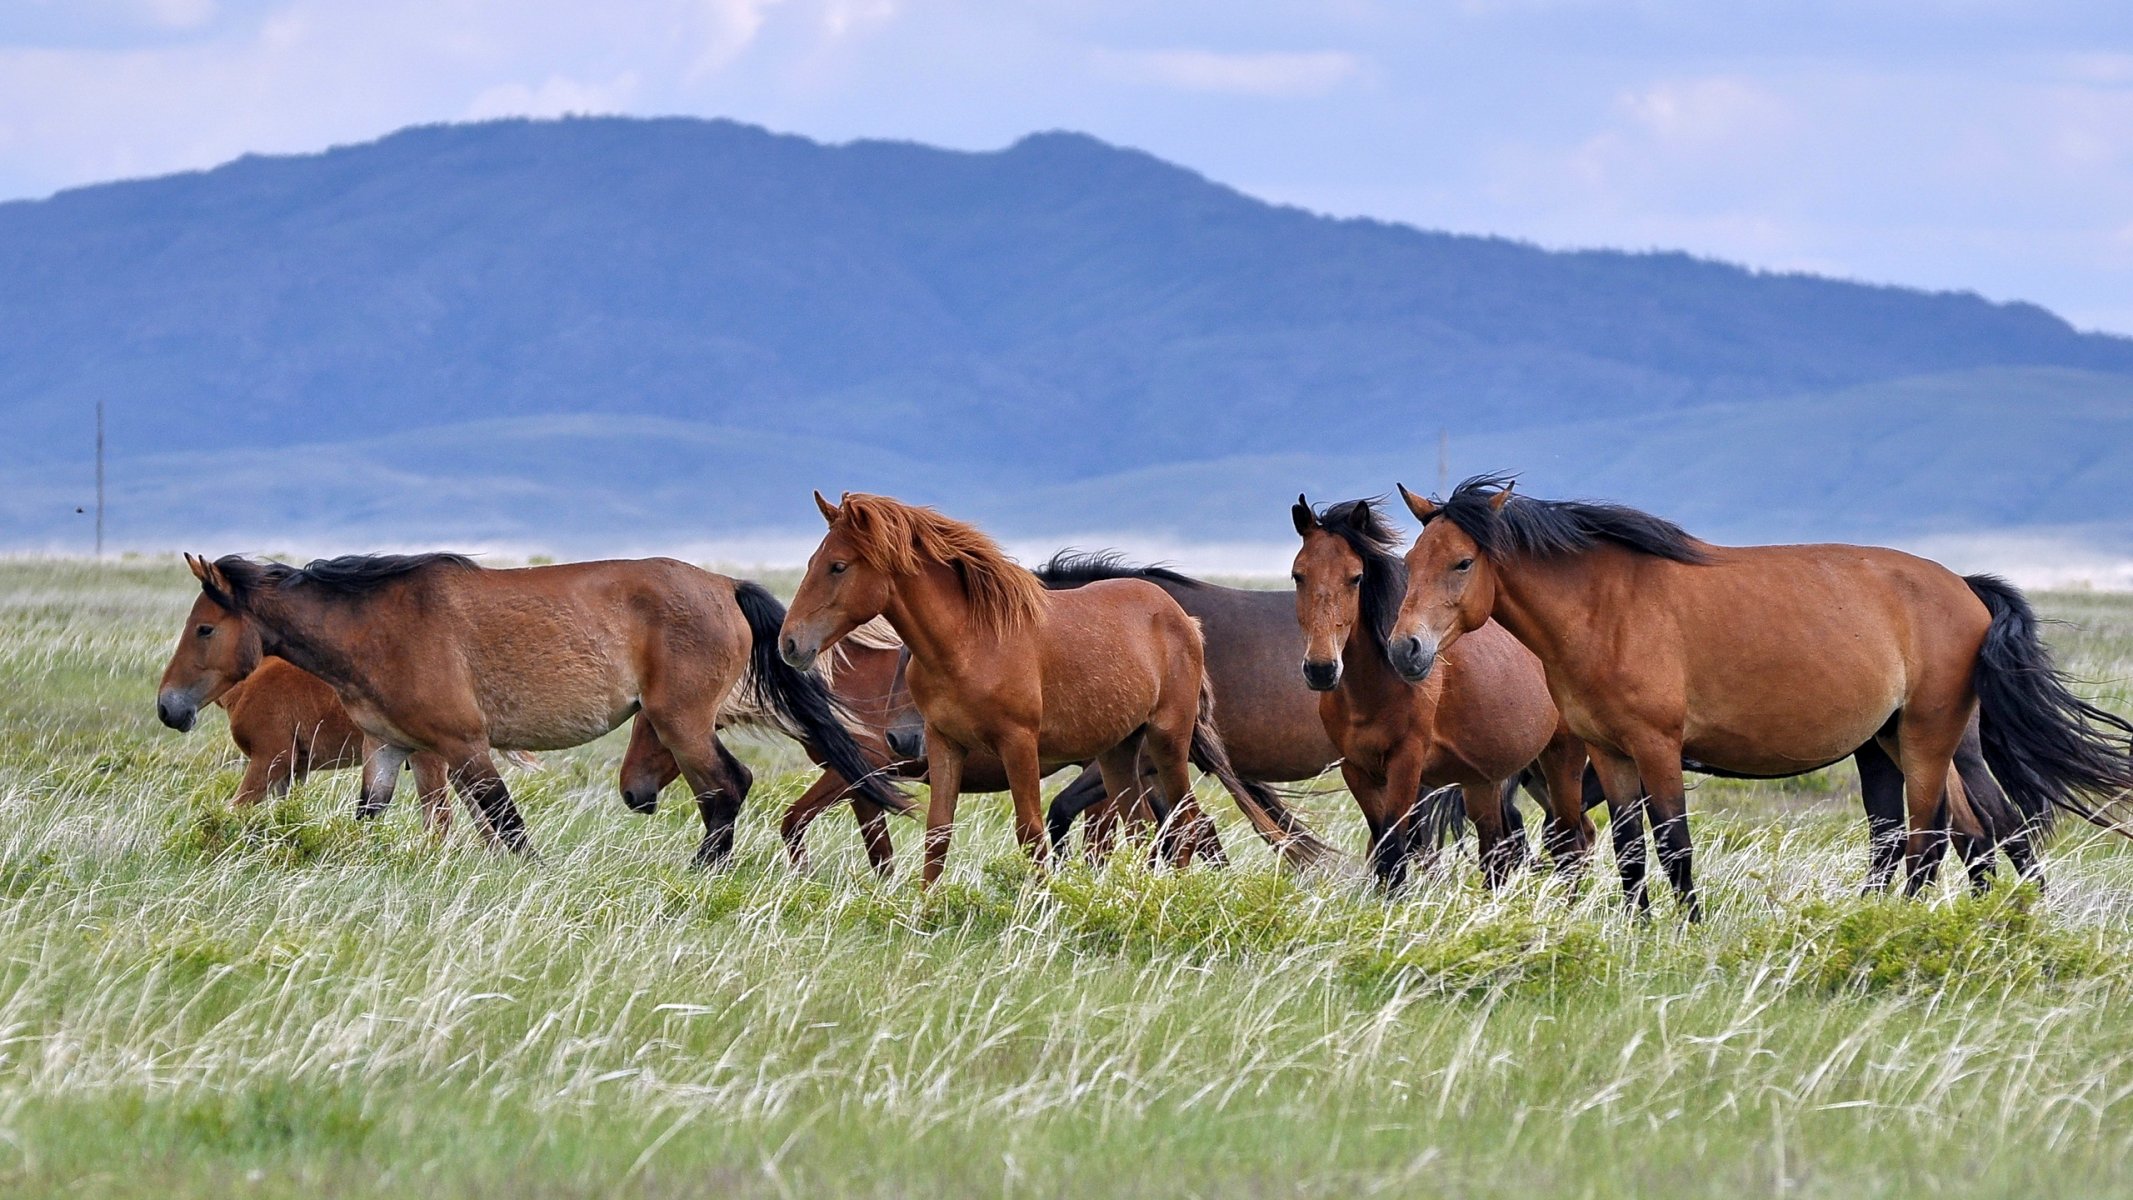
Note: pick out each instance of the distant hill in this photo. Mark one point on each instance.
(615, 331)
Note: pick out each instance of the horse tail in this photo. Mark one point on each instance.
(1440, 816)
(2049, 748)
(801, 704)
(1260, 804)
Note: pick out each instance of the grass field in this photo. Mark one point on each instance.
(192, 1004)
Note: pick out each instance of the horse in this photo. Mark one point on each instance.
(1477, 725)
(286, 721)
(432, 653)
(1758, 661)
(1000, 665)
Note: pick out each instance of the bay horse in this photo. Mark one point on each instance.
(1477, 725)
(1758, 661)
(432, 653)
(286, 721)
(1000, 665)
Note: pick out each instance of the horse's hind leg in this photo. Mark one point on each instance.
(721, 784)
(1184, 826)
(1925, 743)
(1569, 833)
(475, 777)
(1085, 792)
(265, 775)
(792, 829)
(874, 834)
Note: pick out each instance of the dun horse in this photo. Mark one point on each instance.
(286, 721)
(1476, 725)
(1001, 666)
(1762, 661)
(433, 653)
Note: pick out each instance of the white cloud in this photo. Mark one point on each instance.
(1269, 74)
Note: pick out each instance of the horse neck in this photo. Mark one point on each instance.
(308, 634)
(1548, 604)
(931, 613)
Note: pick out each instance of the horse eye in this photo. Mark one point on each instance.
(837, 568)
(1298, 576)
(1464, 564)
(206, 631)
(1355, 581)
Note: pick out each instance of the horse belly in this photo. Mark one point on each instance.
(559, 712)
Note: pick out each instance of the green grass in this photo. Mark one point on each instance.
(193, 1003)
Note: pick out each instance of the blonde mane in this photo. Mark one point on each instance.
(902, 539)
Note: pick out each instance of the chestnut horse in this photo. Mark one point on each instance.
(286, 721)
(1477, 725)
(1000, 665)
(1759, 661)
(432, 653)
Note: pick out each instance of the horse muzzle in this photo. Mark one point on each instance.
(1412, 658)
(797, 656)
(907, 743)
(1321, 676)
(640, 800)
(177, 710)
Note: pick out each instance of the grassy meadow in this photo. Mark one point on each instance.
(193, 1003)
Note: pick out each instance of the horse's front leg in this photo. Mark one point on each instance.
(1025, 782)
(381, 775)
(475, 778)
(792, 830)
(1659, 763)
(1624, 788)
(944, 778)
(1395, 825)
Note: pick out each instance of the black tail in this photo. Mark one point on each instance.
(1440, 816)
(1261, 805)
(2049, 748)
(801, 699)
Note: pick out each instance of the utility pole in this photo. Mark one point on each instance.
(99, 479)
(1444, 462)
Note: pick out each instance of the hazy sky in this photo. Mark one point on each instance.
(1976, 144)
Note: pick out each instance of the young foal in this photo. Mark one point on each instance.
(1765, 660)
(1000, 665)
(286, 721)
(433, 653)
(1476, 725)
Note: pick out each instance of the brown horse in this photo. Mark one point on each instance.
(999, 665)
(1758, 661)
(286, 721)
(1477, 725)
(433, 653)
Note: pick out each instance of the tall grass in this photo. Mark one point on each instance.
(289, 1003)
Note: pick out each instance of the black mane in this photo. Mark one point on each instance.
(1377, 543)
(1550, 528)
(1072, 568)
(348, 575)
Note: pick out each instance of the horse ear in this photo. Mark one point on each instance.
(1423, 509)
(1305, 519)
(1503, 497)
(830, 512)
(198, 566)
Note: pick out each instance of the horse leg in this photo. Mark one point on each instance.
(1624, 788)
(475, 778)
(792, 830)
(434, 789)
(873, 822)
(1498, 854)
(721, 784)
(1881, 793)
(1025, 783)
(1185, 826)
(1925, 745)
(944, 777)
(1085, 792)
(1659, 762)
(264, 776)
(1569, 834)
(1118, 778)
(381, 776)
(1370, 796)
